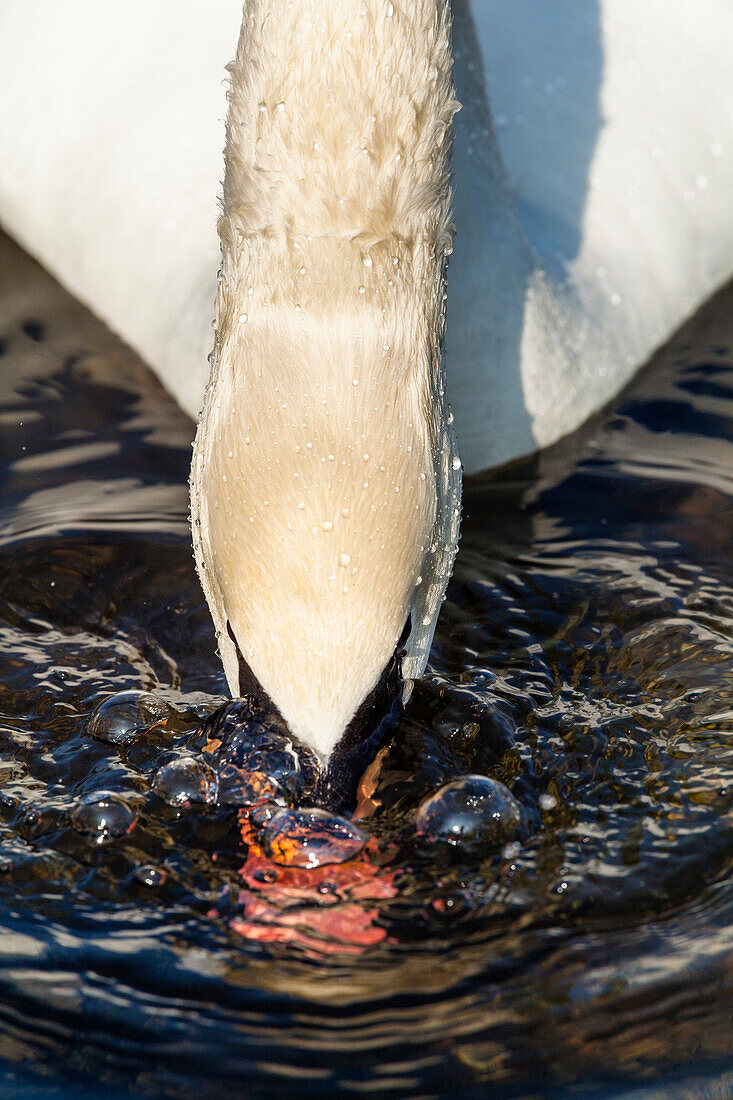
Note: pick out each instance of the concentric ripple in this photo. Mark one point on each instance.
(537, 896)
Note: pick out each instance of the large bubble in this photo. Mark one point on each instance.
(312, 838)
(104, 816)
(473, 810)
(121, 717)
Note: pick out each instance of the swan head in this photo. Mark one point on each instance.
(325, 485)
(324, 497)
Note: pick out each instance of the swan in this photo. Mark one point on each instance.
(592, 173)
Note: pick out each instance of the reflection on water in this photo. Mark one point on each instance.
(584, 659)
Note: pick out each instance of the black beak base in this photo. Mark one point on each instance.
(335, 787)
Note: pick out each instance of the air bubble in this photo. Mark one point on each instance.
(123, 716)
(255, 764)
(185, 780)
(472, 810)
(150, 876)
(312, 838)
(104, 816)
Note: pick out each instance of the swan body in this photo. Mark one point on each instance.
(593, 214)
(611, 125)
(593, 168)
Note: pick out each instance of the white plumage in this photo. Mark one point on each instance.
(324, 482)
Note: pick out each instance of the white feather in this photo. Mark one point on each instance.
(324, 483)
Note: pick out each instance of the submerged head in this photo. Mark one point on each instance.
(317, 505)
(324, 486)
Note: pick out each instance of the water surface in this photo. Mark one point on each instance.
(584, 658)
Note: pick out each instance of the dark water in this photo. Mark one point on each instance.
(584, 658)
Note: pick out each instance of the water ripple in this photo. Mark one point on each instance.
(583, 661)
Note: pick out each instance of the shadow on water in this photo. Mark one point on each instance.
(583, 659)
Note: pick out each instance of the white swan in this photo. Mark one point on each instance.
(591, 220)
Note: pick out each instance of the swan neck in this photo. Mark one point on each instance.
(325, 483)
